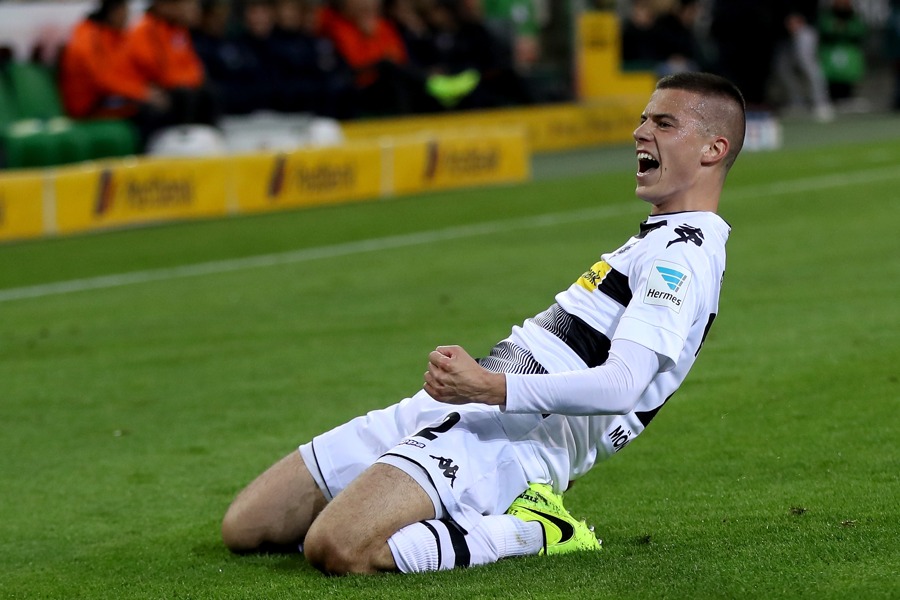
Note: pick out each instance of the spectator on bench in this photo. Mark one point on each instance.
(159, 59)
(88, 84)
(239, 66)
(312, 76)
(470, 70)
(385, 81)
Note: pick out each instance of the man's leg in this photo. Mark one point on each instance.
(385, 503)
(351, 533)
(276, 510)
(806, 47)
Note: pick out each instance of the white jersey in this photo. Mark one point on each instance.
(660, 290)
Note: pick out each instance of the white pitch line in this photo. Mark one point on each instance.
(417, 239)
(309, 254)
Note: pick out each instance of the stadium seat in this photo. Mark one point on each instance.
(37, 97)
(23, 142)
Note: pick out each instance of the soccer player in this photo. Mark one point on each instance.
(471, 468)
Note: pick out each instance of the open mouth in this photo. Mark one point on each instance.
(646, 163)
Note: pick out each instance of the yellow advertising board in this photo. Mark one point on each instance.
(134, 192)
(139, 191)
(21, 205)
(308, 177)
(598, 52)
(549, 127)
(565, 127)
(477, 157)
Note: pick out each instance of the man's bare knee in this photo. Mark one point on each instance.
(275, 510)
(334, 556)
(350, 536)
(238, 535)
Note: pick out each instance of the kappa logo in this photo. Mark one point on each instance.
(413, 443)
(686, 234)
(667, 285)
(446, 465)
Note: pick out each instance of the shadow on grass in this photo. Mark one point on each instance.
(282, 560)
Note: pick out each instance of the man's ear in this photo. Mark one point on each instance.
(715, 151)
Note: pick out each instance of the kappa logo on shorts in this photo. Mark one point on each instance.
(447, 466)
(667, 285)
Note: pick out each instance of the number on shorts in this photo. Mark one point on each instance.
(430, 433)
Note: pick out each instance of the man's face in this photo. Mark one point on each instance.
(181, 12)
(670, 143)
(118, 17)
(259, 19)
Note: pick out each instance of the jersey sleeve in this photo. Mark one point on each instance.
(670, 288)
(613, 388)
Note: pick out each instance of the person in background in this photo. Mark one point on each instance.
(677, 46)
(258, 80)
(470, 68)
(843, 34)
(797, 60)
(409, 17)
(224, 58)
(89, 86)
(639, 39)
(743, 33)
(158, 58)
(384, 81)
(312, 76)
(521, 18)
(892, 46)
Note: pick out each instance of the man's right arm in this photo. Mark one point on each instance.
(612, 388)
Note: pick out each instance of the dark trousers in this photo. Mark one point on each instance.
(186, 106)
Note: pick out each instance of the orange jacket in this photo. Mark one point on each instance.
(86, 76)
(160, 53)
(362, 52)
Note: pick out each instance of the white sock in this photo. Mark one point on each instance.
(510, 535)
(427, 546)
(441, 544)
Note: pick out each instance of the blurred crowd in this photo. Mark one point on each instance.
(190, 61)
(193, 61)
(793, 56)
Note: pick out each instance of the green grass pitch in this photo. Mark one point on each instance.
(179, 361)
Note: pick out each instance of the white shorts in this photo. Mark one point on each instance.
(459, 454)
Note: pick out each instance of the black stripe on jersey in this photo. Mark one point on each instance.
(647, 416)
(615, 285)
(588, 343)
(712, 317)
(648, 227)
(458, 540)
(506, 357)
(312, 444)
(437, 539)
